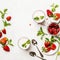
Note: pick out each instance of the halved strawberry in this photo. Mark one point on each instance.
(4, 31)
(6, 48)
(3, 40)
(49, 13)
(0, 34)
(57, 16)
(53, 46)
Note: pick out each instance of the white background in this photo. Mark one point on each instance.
(21, 12)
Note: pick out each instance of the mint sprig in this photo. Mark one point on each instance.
(26, 43)
(3, 13)
(6, 24)
(41, 33)
(54, 7)
(38, 18)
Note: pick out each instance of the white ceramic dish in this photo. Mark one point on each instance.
(39, 13)
(21, 41)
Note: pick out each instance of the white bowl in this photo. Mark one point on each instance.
(39, 13)
(21, 41)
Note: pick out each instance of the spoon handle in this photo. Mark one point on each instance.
(39, 51)
(40, 57)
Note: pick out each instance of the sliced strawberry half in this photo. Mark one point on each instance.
(3, 40)
(57, 16)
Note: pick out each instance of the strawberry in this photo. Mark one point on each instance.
(3, 40)
(48, 49)
(49, 13)
(47, 43)
(44, 49)
(4, 31)
(53, 46)
(6, 48)
(0, 34)
(8, 18)
(57, 16)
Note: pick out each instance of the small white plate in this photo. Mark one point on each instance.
(39, 13)
(21, 41)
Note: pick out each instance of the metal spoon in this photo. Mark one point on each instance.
(34, 42)
(33, 54)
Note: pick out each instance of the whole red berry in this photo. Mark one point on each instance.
(49, 13)
(0, 34)
(8, 18)
(4, 31)
(47, 43)
(6, 48)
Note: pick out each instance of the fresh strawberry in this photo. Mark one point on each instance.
(44, 49)
(49, 13)
(47, 43)
(48, 49)
(53, 46)
(8, 18)
(57, 16)
(0, 34)
(3, 40)
(6, 48)
(4, 31)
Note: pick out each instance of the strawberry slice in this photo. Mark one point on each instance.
(49, 13)
(4, 31)
(6, 48)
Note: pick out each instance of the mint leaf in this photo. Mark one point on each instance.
(24, 45)
(1, 12)
(10, 42)
(6, 24)
(41, 17)
(36, 18)
(53, 9)
(47, 39)
(5, 10)
(28, 42)
(56, 6)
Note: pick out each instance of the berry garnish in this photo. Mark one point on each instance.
(4, 31)
(3, 40)
(8, 18)
(0, 34)
(6, 48)
(49, 13)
